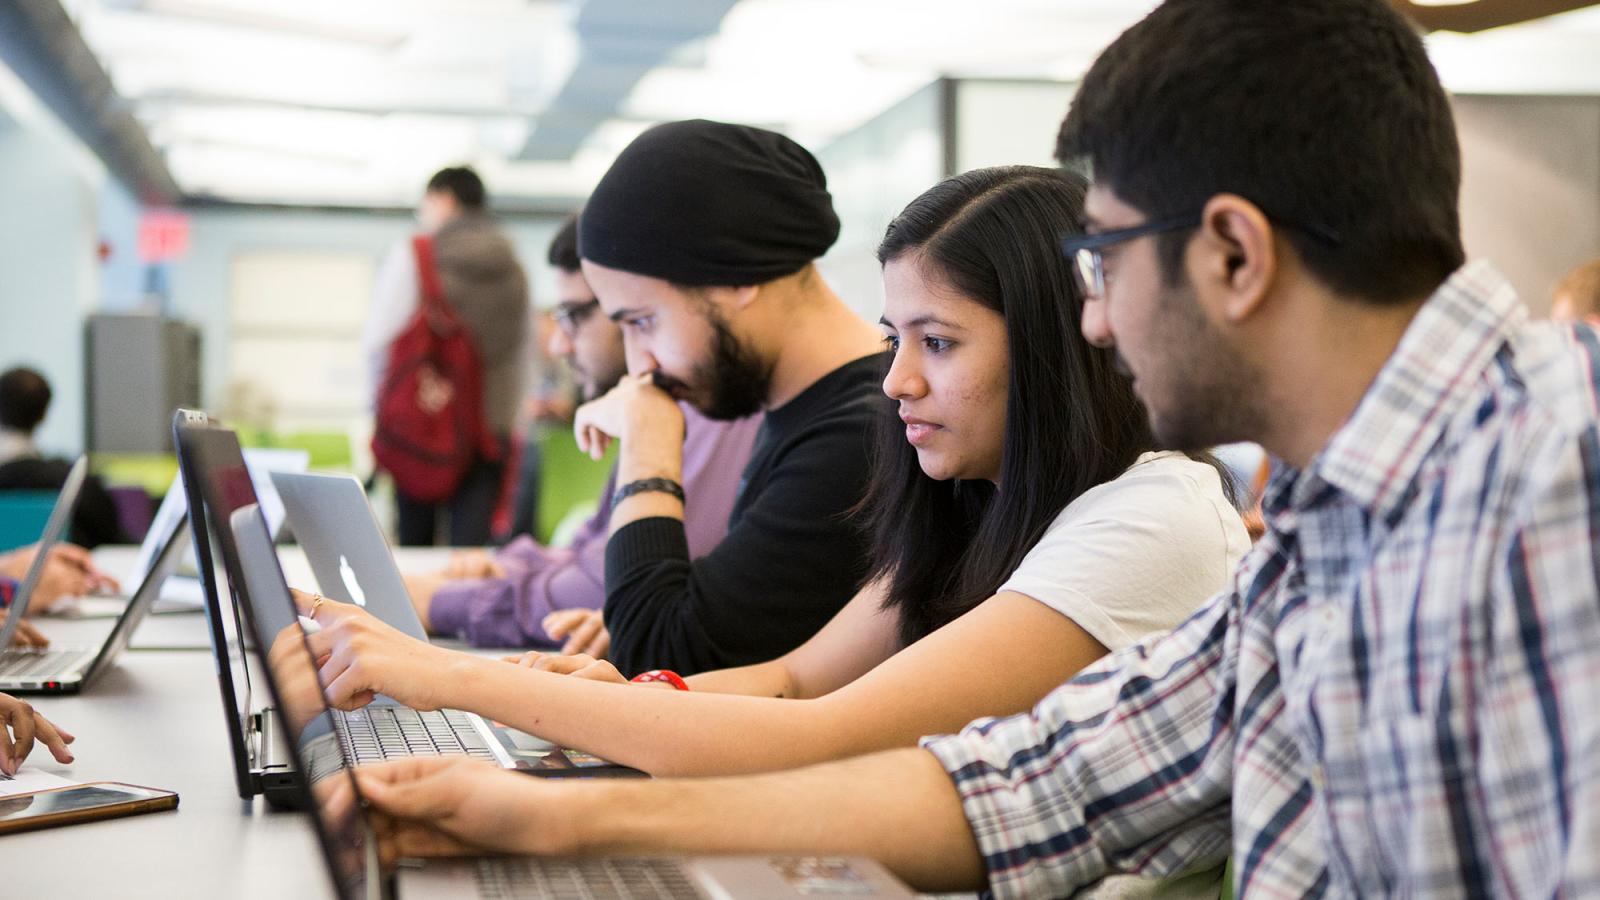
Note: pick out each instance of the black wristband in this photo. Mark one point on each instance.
(645, 486)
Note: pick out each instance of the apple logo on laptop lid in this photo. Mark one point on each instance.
(348, 575)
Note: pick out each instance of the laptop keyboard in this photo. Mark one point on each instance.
(583, 879)
(24, 663)
(375, 733)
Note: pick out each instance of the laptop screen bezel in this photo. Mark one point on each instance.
(189, 429)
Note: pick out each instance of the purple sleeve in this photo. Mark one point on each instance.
(714, 457)
(508, 612)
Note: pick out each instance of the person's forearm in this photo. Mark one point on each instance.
(653, 449)
(899, 808)
(657, 731)
(768, 679)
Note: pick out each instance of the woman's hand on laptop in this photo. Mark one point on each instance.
(26, 635)
(359, 656)
(579, 664)
(20, 726)
(455, 806)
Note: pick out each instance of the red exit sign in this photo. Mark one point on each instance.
(163, 235)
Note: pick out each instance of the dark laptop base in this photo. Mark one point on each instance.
(272, 771)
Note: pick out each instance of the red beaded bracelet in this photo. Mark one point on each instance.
(664, 675)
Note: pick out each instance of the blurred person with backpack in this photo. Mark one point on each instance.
(445, 352)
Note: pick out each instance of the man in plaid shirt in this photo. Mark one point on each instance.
(1393, 696)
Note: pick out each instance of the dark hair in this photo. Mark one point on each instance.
(461, 183)
(1324, 113)
(24, 398)
(1071, 420)
(563, 253)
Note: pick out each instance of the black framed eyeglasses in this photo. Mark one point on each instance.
(570, 314)
(1084, 249)
(1088, 266)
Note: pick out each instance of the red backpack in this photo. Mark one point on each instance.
(430, 424)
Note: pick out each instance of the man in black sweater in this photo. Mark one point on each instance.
(700, 243)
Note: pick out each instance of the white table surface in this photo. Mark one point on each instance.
(155, 719)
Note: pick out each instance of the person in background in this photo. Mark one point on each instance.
(24, 401)
(530, 595)
(486, 288)
(1577, 297)
(546, 411)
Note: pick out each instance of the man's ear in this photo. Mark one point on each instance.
(1233, 258)
(735, 297)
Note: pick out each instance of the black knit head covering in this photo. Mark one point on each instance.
(706, 203)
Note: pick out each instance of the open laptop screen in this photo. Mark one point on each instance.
(190, 429)
(244, 542)
(261, 463)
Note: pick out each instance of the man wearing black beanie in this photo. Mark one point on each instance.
(700, 242)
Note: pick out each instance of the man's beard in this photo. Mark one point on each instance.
(1211, 387)
(735, 380)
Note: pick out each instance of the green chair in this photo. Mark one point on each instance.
(152, 471)
(568, 479)
(330, 450)
(23, 515)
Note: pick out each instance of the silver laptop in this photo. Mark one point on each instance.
(322, 751)
(67, 669)
(341, 537)
(336, 527)
(384, 729)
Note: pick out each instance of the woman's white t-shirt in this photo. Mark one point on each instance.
(1137, 554)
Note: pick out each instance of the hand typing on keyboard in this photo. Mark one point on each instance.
(27, 635)
(68, 572)
(359, 656)
(453, 807)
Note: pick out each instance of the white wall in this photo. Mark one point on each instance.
(873, 172)
(201, 281)
(48, 270)
(122, 275)
(1530, 194)
(1008, 123)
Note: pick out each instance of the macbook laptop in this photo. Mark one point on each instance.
(336, 527)
(214, 472)
(349, 555)
(68, 668)
(315, 737)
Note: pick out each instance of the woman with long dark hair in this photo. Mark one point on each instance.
(1023, 526)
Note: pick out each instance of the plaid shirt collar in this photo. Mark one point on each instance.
(1376, 455)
